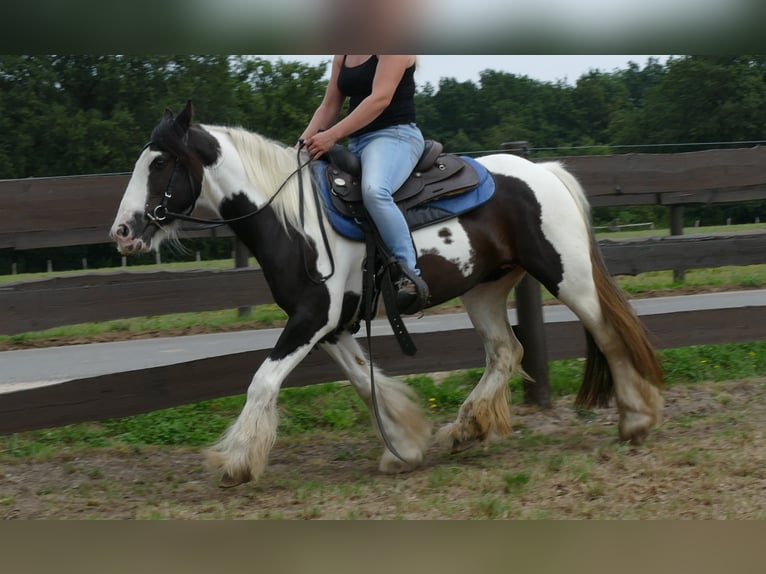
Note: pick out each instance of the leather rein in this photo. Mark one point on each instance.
(161, 212)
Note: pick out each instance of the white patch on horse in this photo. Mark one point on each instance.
(568, 235)
(135, 198)
(449, 241)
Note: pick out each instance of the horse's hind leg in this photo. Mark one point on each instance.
(485, 415)
(401, 416)
(620, 358)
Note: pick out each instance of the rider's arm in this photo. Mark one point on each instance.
(388, 74)
(328, 111)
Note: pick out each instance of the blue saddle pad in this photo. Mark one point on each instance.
(419, 216)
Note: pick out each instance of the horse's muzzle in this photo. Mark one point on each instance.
(131, 246)
(128, 240)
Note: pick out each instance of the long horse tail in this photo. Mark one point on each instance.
(598, 385)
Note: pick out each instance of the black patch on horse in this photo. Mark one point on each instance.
(289, 264)
(535, 253)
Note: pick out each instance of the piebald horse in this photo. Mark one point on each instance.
(537, 222)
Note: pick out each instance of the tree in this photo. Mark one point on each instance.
(596, 99)
(65, 115)
(278, 99)
(703, 99)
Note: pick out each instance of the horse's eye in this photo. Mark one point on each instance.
(159, 162)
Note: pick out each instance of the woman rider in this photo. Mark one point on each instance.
(382, 132)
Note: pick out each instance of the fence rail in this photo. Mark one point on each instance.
(145, 390)
(79, 210)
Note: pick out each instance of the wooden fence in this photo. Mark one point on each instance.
(89, 297)
(79, 210)
(47, 212)
(144, 390)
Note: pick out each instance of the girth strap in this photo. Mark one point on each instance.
(378, 280)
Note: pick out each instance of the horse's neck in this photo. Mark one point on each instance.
(245, 180)
(246, 167)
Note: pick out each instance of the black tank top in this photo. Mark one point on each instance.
(356, 83)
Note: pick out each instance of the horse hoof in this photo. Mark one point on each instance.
(460, 446)
(635, 427)
(390, 464)
(450, 439)
(637, 438)
(228, 481)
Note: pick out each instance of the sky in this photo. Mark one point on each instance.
(545, 68)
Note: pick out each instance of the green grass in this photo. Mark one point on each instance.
(335, 407)
(177, 266)
(260, 316)
(664, 232)
(745, 277)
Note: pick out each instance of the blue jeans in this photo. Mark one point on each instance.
(388, 157)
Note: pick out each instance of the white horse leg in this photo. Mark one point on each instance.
(242, 452)
(403, 420)
(485, 415)
(621, 339)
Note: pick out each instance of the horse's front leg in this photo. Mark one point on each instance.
(400, 414)
(242, 452)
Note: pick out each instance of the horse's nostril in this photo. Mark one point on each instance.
(123, 230)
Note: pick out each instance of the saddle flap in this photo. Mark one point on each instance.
(344, 185)
(437, 180)
(436, 175)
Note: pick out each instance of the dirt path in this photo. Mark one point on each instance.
(706, 461)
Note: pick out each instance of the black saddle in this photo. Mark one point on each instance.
(435, 175)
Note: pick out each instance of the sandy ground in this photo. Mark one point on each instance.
(706, 461)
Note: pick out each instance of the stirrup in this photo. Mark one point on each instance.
(412, 294)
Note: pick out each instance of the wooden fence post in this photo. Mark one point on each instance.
(677, 228)
(531, 328)
(531, 333)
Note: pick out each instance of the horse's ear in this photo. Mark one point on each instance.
(184, 119)
(168, 115)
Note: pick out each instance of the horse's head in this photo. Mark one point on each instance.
(166, 182)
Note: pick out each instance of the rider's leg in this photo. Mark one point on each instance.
(388, 157)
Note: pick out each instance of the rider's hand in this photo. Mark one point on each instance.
(320, 143)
